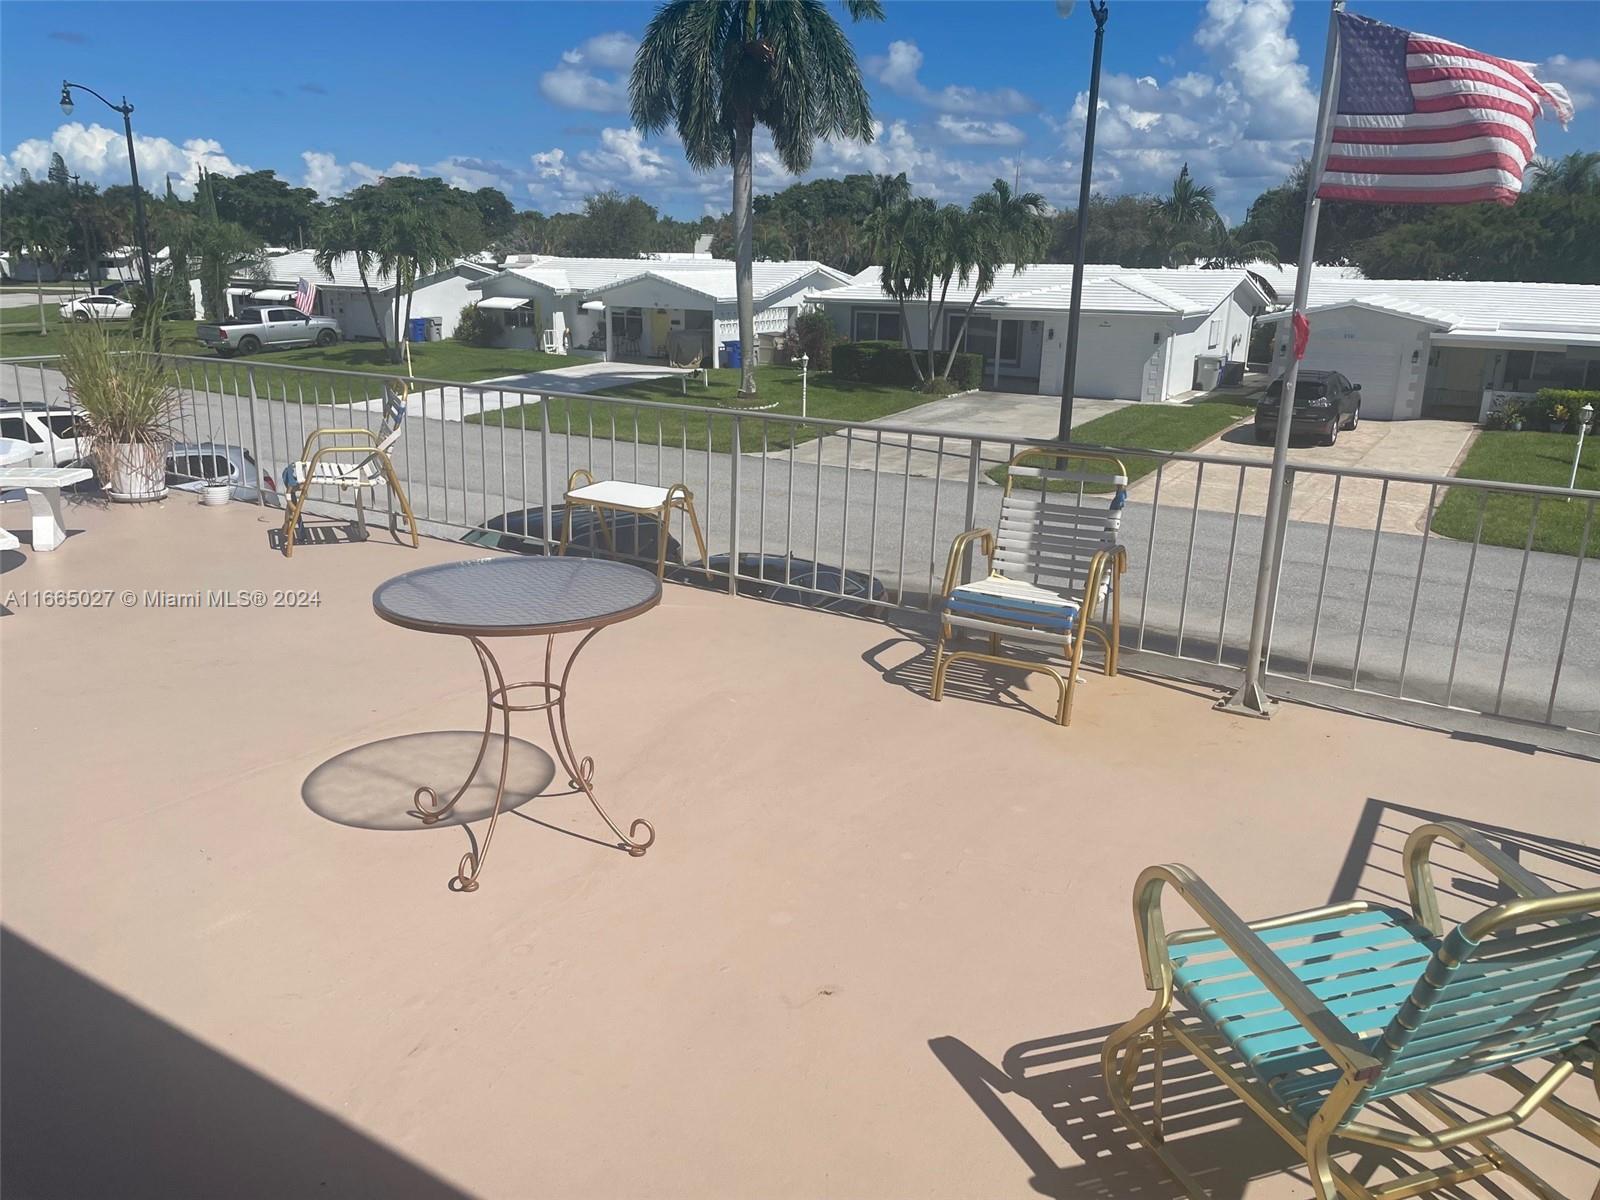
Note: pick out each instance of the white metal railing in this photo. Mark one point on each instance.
(1369, 600)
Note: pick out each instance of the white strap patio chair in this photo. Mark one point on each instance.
(352, 459)
(1053, 561)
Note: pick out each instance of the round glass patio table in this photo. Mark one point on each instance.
(514, 596)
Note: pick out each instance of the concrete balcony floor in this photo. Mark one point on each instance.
(872, 953)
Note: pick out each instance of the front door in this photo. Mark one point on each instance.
(660, 326)
(1053, 357)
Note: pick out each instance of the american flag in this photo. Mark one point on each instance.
(1421, 120)
(305, 296)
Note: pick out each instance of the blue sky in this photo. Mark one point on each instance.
(530, 97)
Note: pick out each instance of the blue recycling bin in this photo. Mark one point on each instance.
(732, 354)
(417, 330)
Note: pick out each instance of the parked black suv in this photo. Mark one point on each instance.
(1324, 403)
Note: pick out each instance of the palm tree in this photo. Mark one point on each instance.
(1007, 227)
(717, 68)
(1223, 247)
(1188, 211)
(889, 195)
(1573, 174)
(338, 233)
(905, 272)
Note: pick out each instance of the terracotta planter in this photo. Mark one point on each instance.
(137, 473)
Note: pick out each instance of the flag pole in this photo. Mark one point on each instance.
(1250, 698)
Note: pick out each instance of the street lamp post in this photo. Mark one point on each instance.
(1585, 415)
(126, 110)
(1069, 379)
(804, 360)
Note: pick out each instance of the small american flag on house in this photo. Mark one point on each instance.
(305, 296)
(1421, 120)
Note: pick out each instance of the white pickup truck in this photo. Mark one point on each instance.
(258, 327)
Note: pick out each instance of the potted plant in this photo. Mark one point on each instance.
(1513, 416)
(216, 493)
(126, 407)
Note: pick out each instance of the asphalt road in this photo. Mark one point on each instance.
(1190, 577)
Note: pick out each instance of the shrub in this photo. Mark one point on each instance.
(890, 363)
(477, 326)
(817, 337)
(1561, 406)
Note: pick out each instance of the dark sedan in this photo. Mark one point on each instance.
(1324, 403)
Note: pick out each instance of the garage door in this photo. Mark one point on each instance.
(1374, 365)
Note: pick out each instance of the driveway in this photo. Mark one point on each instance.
(1001, 417)
(453, 403)
(1413, 447)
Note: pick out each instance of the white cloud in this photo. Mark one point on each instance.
(614, 51)
(1241, 126)
(622, 155)
(573, 87)
(1580, 76)
(575, 83)
(900, 71)
(100, 155)
(966, 131)
(327, 176)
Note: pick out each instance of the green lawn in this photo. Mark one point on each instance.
(826, 397)
(449, 360)
(1542, 458)
(1153, 427)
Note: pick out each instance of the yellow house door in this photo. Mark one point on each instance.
(660, 326)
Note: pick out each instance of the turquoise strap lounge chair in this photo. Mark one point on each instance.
(1314, 1018)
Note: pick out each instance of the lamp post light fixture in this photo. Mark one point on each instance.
(126, 110)
(1069, 375)
(1585, 415)
(804, 360)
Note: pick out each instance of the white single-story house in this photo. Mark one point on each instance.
(440, 296)
(1144, 334)
(644, 308)
(1447, 348)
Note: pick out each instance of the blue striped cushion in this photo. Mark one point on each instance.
(1015, 609)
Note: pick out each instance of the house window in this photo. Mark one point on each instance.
(875, 325)
(520, 318)
(627, 324)
(1214, 335)
(979, 335)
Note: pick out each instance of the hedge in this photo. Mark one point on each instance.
(1546, 400)
(890, 363)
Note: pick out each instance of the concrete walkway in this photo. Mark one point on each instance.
(459, 401)
(1412, 447)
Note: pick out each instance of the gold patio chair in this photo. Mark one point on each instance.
(1314, 1017)
(351, 459)
(1052, 561)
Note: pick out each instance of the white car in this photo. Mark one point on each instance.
(52, 432)
(96, 308)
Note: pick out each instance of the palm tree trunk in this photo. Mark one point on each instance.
(956, 341)
(936, 320)
(744, 241)
(372, 304)
(905, 340)
(38, 282)
(410, 293)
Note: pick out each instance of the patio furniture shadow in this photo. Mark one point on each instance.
(1214, 1134)
(1372, 868)
(374, 785)
(965, 681)
(102, 1098)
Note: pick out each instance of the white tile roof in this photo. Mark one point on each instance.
(711, 277)
(1048, 286)
(299, 264)
(1563, 312)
